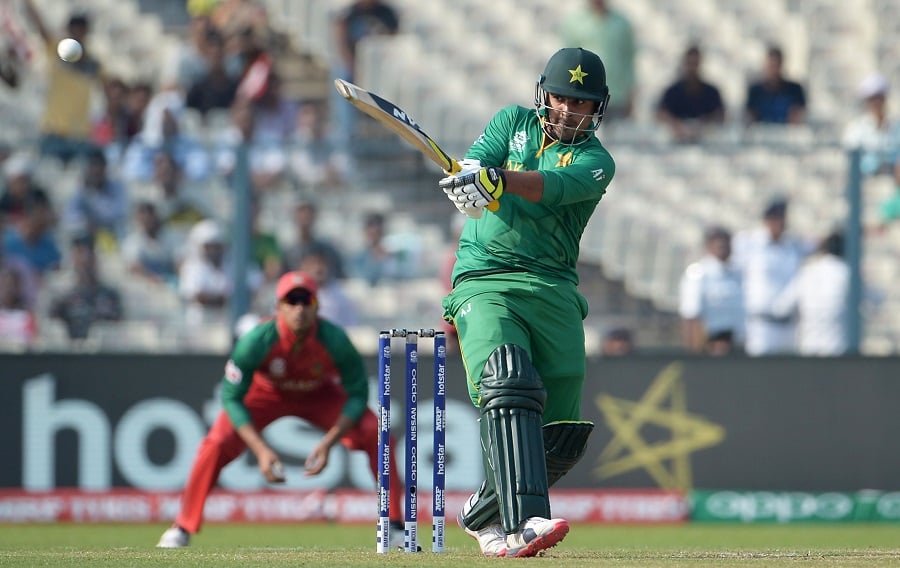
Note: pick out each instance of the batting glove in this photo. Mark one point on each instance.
(478, 188)
(468, 167)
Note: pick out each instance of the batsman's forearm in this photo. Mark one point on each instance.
(528, 185)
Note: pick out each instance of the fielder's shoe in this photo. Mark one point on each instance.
(492, 539)
(534, 535)
(174, 537)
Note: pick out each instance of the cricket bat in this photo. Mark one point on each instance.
(401, 124)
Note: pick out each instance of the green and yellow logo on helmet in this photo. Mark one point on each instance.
(577, 75)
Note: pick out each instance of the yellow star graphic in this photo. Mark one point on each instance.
(564, 159)
(629, 451)
(577, 75)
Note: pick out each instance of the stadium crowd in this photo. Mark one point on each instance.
(142, 180)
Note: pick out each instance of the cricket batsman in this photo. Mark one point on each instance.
(295, 364)
(515, 302)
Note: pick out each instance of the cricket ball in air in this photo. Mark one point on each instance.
(69, 50)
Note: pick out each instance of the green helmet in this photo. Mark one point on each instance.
(577, 73)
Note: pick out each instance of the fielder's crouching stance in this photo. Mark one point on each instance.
(515, 302)
(296, 364)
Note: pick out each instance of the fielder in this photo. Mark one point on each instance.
(296, 364)
(515, 303)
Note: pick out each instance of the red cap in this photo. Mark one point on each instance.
(293, 280)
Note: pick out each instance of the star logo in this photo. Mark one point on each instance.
(577, 75)
(663, 406)
(564, 159)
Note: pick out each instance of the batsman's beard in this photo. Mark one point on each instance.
(566, 132)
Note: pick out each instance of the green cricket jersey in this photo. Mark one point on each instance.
(270, 357)
(541, 238)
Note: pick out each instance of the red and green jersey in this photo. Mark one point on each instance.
(540, 238)
(271, 357)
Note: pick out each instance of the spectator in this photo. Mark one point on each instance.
(871, 129)
(773, 98)
(316, 161)
(214, 88)
(14, 49)
(151, 250)
(110, 130)
(768, 258)
(190, 62)
(99, 205)
(139, 97)
(334, 303)
(266, 156)
(161, 132)
(711, 299)
(275, 116)
(204, 278)
(690, 104)
(375, 262)
(180, 206)
(361, 19)
(243, 49)
(18, 327)
(307, 241)
(618, 342)
(818, 296)
(877, 137)
(608, 33)
(204, 282)
(233, 17)
(66, 123)
(88, 300)
(31, 238)
(265, 251)
(24, 273)
(20, 186)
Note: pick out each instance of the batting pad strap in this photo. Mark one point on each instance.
(564, 445)
(481, 510)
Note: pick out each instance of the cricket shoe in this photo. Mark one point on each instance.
(534, 535)
(174, 537)
(491, 539)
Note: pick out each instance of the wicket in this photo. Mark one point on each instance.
(411, 524)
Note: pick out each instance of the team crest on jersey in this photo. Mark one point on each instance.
(519, 139)
(277, 367)
(564, 159)
(233, 373)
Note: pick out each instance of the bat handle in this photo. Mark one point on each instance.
(455, 168)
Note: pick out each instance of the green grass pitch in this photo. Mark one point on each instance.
(271, 546)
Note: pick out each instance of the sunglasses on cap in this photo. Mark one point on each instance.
(300, 296)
